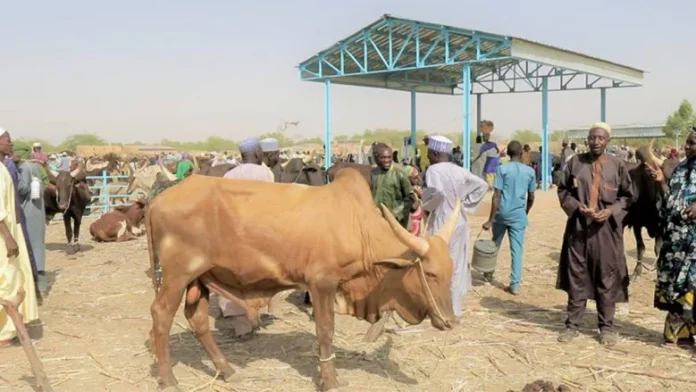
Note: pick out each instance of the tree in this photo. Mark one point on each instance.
(680, 122)
(82, 139)
(558, 135)
(525, 136)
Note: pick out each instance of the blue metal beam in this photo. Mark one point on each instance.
(413, 126)
(479, 114)
(327, 124)
(466, 118)
(545, 164)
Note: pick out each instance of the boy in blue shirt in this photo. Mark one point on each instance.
(514, 185)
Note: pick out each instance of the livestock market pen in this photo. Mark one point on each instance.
(421, 57)
(96, 320)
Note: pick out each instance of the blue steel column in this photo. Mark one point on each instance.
(327, 124)
(603, 98)
(545, 134)
(413, 125)
(466, 106)
(479, 114)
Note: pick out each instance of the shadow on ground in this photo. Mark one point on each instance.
(296, 349)
(553, 319)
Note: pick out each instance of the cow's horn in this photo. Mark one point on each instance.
(76, 172)
(195, 164)
(415, 243)
(446, 231)
(651, 155)
(53, 172)
(166, 171)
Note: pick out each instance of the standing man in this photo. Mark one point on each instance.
(566, 154)
(595, 194)
(37, 154)
(32, 206)
(390, 186)
(489, 153)
(271, 157)
(513, 198)
(15, 267)
(250, 169)
(447, 185)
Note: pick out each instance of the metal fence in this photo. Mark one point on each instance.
(108, 193)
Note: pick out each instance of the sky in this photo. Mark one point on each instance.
(183, 70)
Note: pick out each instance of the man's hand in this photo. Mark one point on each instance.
(584, 210)
(691, 211)
(601, 216)
(12, 247)
(655, 172)
(487, 226)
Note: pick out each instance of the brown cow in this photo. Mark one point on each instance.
(643, 211)
(121, 224)
(211, 234)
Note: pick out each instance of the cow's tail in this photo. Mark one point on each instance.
(155, 268)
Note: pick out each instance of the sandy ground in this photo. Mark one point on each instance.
(95, 323)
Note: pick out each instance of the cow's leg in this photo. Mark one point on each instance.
(323, 296)
(197, 315)
(68, 232)
(78, 222)
(640, 251)
(163, 310)
(658, 246)
(68, 228)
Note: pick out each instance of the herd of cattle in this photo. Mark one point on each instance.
(72, 196)
(363, 267)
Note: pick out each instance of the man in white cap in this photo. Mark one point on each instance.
(15, 267)
(446, 185)
(271, 156)
(250, 169)
(37, 154)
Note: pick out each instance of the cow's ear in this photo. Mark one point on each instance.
(395, 263)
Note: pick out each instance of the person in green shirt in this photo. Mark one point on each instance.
(390, 186)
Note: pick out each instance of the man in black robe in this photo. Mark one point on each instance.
(595, 194)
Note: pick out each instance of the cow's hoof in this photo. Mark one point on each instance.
(227, 373)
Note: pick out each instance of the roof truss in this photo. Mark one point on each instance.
(403, 54)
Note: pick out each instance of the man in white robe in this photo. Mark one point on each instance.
(446, 185)
(15, 267)
(250, 169)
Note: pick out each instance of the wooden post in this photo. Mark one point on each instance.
(36, 366)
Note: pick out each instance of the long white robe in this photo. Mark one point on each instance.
(247, 171)
(15, 273)
(448, 184)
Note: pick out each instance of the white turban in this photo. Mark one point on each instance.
(269, 145)
(2, 131)
(440, 144)
(601, 125)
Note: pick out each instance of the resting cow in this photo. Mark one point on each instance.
(121, 224)
(232, 238)
(643, 211)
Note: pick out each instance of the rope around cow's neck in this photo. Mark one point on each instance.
(431, 298)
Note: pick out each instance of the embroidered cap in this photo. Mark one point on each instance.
(249, 145)
(440, 144)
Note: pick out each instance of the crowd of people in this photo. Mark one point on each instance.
(594, 191)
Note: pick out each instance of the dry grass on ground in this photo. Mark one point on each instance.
(96, 321)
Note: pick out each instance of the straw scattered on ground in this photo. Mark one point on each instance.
(95, 323)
